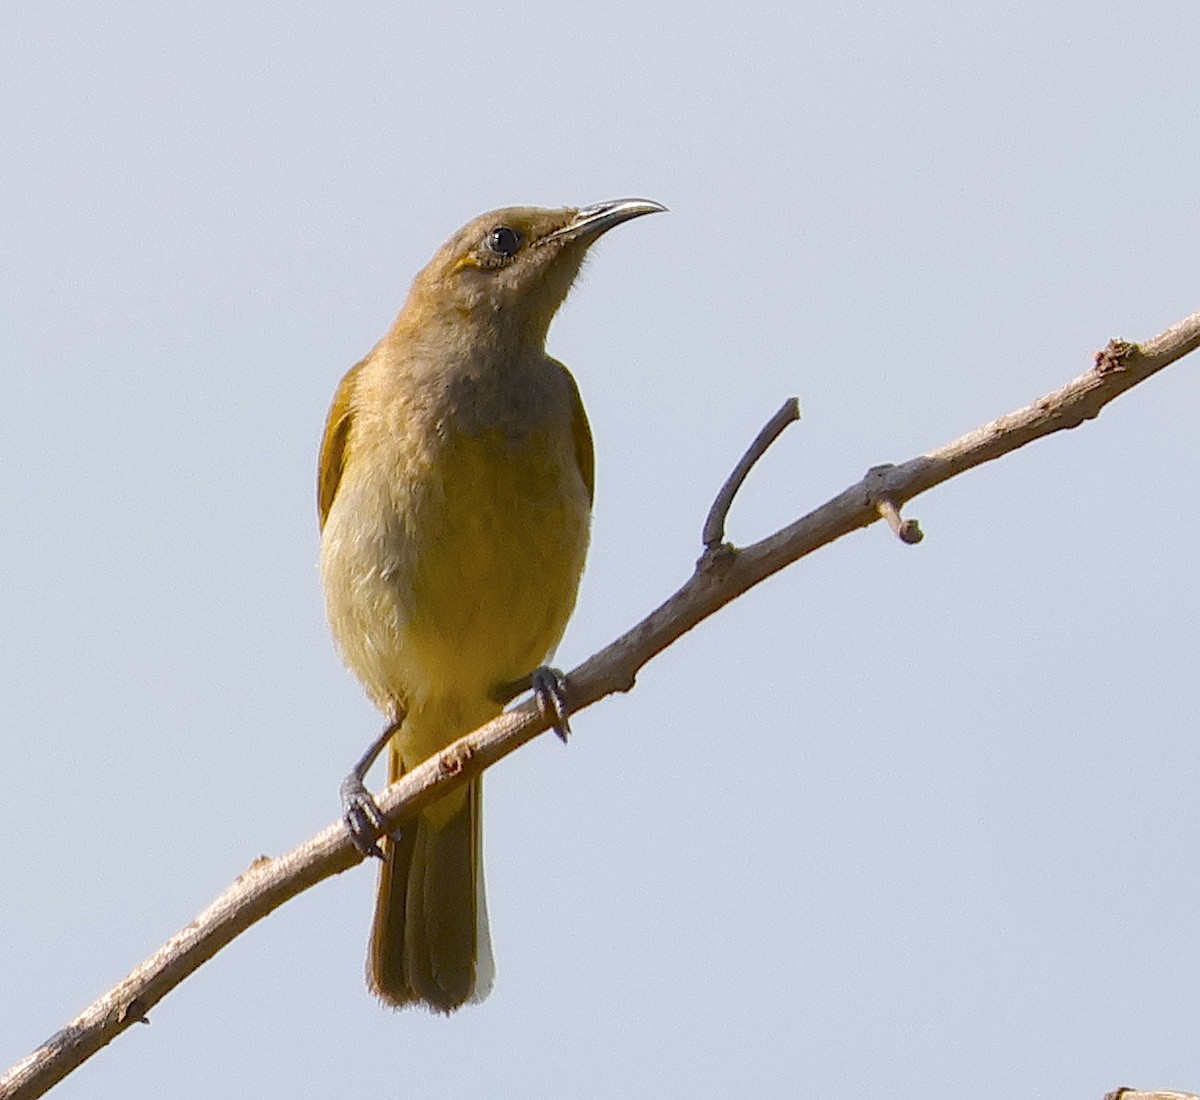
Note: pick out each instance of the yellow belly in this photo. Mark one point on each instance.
(454, 575)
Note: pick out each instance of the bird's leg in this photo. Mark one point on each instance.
(550, 690)
(364, 819)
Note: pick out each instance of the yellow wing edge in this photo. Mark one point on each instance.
(335, 443)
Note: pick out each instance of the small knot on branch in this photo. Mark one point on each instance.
(134, 1009)
(1115, 357)
(454, 759)
(717, 559)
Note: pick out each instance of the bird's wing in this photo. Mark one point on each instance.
(581, 432)
(334, 444)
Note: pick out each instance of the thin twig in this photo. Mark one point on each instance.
(713, 534)
(1138, 1094)
(907, 531)
(268, 883)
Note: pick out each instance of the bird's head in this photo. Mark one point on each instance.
(507, 272)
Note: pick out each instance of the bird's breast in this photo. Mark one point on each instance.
(452, 554)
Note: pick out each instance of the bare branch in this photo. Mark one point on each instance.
(1137, 1094)
(718, 579)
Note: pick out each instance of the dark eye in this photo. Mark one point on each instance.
(504, 241)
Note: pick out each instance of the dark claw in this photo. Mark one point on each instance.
(362, 816)
(550, 691)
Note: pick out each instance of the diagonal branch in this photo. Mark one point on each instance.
(722, 574)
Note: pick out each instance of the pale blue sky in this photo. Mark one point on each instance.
(916, 822)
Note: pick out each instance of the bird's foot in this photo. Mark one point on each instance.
(550, 690)
(362, 815)
(364, 819)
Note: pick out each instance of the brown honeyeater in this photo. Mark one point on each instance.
(455, 492)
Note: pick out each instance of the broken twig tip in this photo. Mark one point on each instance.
(880, 493)
(907, 531)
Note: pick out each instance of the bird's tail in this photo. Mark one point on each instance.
(429, 941)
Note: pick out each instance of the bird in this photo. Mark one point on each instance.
(454, 495)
